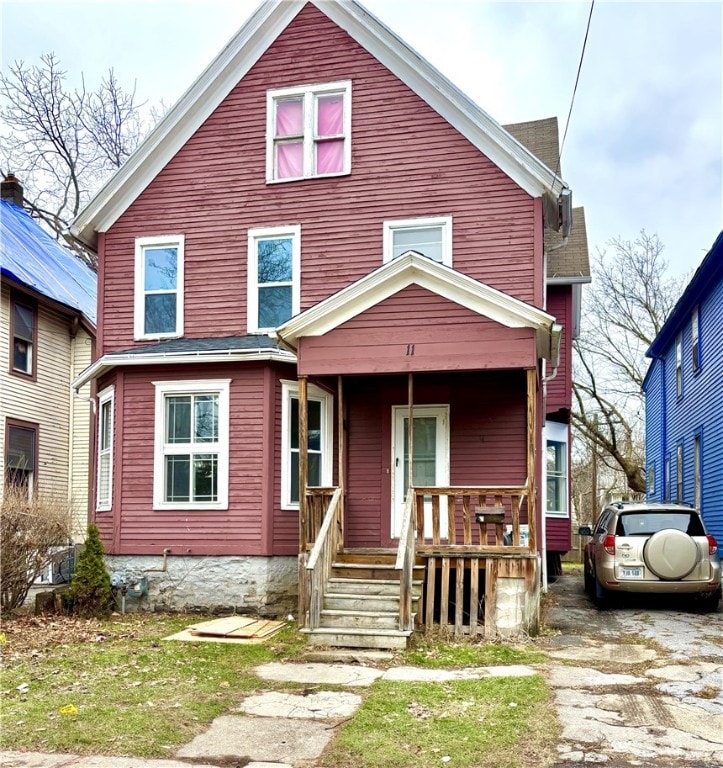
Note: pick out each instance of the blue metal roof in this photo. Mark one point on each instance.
(30, 256)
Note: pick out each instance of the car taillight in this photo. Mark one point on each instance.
(712, 545)
(609, 544)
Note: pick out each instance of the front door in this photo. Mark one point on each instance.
(430, 449)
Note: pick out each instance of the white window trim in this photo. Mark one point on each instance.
(679, 365)
(107, 395)
(175, 241)
(308, 92)
(558, 433)
(252, 303)
(290, 389)
(222, 388)
(695, 339)
(445, 222)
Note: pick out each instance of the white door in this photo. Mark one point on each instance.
(430, 464)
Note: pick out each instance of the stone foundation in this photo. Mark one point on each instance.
(267, 586)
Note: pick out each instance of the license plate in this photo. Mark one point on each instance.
(631, 573)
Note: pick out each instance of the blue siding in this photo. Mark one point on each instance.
(699, 410)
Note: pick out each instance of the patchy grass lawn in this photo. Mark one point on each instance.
(496, 723)
(115, 687)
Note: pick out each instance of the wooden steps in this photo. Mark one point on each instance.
(360, 608)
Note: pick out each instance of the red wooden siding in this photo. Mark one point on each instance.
(487, 439)
(417, 330)
(406, 162)
(559, 390)
(559, 534)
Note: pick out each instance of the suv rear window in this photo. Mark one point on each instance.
(648, 523)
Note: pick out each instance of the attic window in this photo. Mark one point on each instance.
(431, 237)
(24, 331)
(308, 131)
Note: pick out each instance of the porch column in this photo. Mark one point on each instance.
(341, 450)
(303, 462)
(531, 451)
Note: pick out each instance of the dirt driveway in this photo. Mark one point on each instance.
(637, 684)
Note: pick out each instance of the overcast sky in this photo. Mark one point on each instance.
(644, 146)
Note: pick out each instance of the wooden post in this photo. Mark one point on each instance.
(531, 452)
(341, 450)
(303, 463)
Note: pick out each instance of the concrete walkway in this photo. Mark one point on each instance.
(275, 729)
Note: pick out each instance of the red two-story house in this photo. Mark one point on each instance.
(327, 323)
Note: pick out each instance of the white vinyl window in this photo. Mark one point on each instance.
(695, 338)
(308, 131)
(556, 470)
(191, 445)
(679, 365)
(320, 426)
(431, 237)
(104, 490)
(274, 286)
(159, 287)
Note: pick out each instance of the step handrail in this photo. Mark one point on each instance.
(322, 556)
(405, 563)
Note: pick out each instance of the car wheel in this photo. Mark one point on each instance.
(589, 581)
(709, 603)
(671, 554)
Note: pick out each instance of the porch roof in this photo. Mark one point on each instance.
(415, 269)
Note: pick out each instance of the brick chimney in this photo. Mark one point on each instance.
(12, 190)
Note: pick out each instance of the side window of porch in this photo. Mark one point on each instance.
(274, 286)
(320, 441)
(430, 237)
(21, 455)
(191, 445)
(159, 287)
(556, 469)
(104, 483)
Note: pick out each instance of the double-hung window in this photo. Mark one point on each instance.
(679, 473)
(695, 338)
(556, 468)
(24, 333)
(159, 287)
(308, 131)
(21, 454)
(104, 481)
(679, 365)
(274, 264)
(320, 438)
(191, 444)
(430, 237)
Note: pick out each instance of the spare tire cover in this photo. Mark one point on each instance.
(670, 554)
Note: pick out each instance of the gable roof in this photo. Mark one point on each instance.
(706, 277)
(30, 257)
(413, 268)
(247, 47)
(567, 262)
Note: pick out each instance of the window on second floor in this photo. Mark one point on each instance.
(679, 365)
(432, 237)
(24, 337)
(695, 338)
(159, 287)
(274, 265)
(308, 131)
(21, 455)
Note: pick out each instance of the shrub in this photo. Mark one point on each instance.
(90, 589)
(31, 530)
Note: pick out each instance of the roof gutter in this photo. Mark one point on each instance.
(108, 362)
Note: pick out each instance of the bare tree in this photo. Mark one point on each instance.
(63, 144)
(625, 308)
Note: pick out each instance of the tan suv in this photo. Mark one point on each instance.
(652, 548)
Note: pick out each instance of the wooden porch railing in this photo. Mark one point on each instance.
(475, 518)
(315, 571)
(405, 563)
(318, 500)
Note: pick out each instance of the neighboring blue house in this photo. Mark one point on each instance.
(684, 398)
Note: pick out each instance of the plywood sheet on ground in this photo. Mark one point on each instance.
(230, 629)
